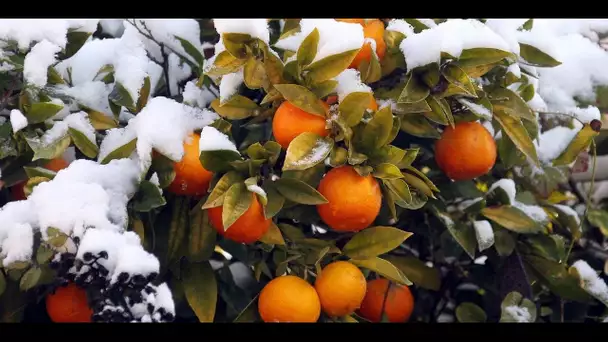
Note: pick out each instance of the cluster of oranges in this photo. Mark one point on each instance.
(339, 290)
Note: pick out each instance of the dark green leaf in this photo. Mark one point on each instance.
(374, 241)
(299, 192)
(200, 288)
(536, 57)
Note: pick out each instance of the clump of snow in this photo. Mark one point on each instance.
(163, 125)
(256, 28)
(92, 94)
(553, 142)
(80, 122)
(178, 71)
(256, 189)
(26, 31)
(164, 298)
(230, 84)
(196, 96)
(17, 244)
(515, 70)
(83, 25)
(115, 138)
(484, 234)
(334, 37)
(506, 184)
(37, 62)
(18, 120)
(451, 37)
(61, 114)
(535, 212)
(134, 260)
(519, 314)
(349, 81)
(214, 140)
(478, 109)
(590, 281)
(400, 25)
(113, 27)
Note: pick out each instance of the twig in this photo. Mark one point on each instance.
(572, 116)
(165, 68)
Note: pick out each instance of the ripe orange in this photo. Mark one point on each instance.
(251, 226)
(398, 306)
(54, 165)
(290, 121)
(341, 288)
(353, 201)
(466, 151)
(191, 178)
(69, 305)
(373, 29)
(289, 299)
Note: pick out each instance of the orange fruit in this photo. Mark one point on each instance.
(373, 29)
(466, 151)
(398, 306)
(251, 226)
(353, 201)
(191, 178)
(289, 299)
(54, 165)
(69, 305)
(341, 288)
(290, 121)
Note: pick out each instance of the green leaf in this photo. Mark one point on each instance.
(200, 288)
(503, 242)
(2, 283)
(237, 200)
(32, 172)
(481, 56)
(580, 142)
(123, 151)
(308, 49)
(30, 279)
(414, 90)
(458, 78)
(418, 25)
(148, 197)
(32, 183)
(512, 218)
(370, 71)
(508, 102)
(144, 94)
(254, 74)
(225, 63)
(42, 111)
(556, 277)
(377, 131)
(56, 238)
(400, 190)
(387, 171)
(374, 241)
(235, 43)
(192, 51)
(468, 312)
(274, 67)
(86, 146)
(218, 160)
(236, 108)
(53, 76)
(302, 98)
(393, 39)
(461, 232)
(177, 229)
(418, 184)
(440, 111)
(514, 303)
(353, 106)
(338, 156)
(307, 150)
(383, 268)
(411, 108)
(417, 125)
(75, 39)
(52, 150)
(514, 128)
(568, 220)
(527, 26)
(202, 237)
(120, 96)
(324, 88)
(330, 67)
(299, 192)
(100, 121)
(508, 152)
(537, 57)
(417, 271)
(273, 236)
(599, 218)
(275, 199)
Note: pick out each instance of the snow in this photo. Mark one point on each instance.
(83, 25)
(65, 111)
(80, 122)
(519, 314)
(256, 28)
(553, 142)
(568, 211)
(590, 281)
(178, 71)
(451, 37)
(465, 204)
(319, 151)
(484, 234)
(214, 140)
(515, 70)
(164, 298)
(196, 96)
(507, 29)
(163, 125)
(18, 120)
(17, 245)
(58, 131)
(26, 31)
(334, 37)
(113, 27)
(37, 62)
(349, 81)
(256, 189)
(400, 25)
(506, 184)
(133, 259)
(230, 84)
(115, 138)
(478, 109)
(92, 94)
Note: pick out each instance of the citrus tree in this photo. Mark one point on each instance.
(299, 170)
